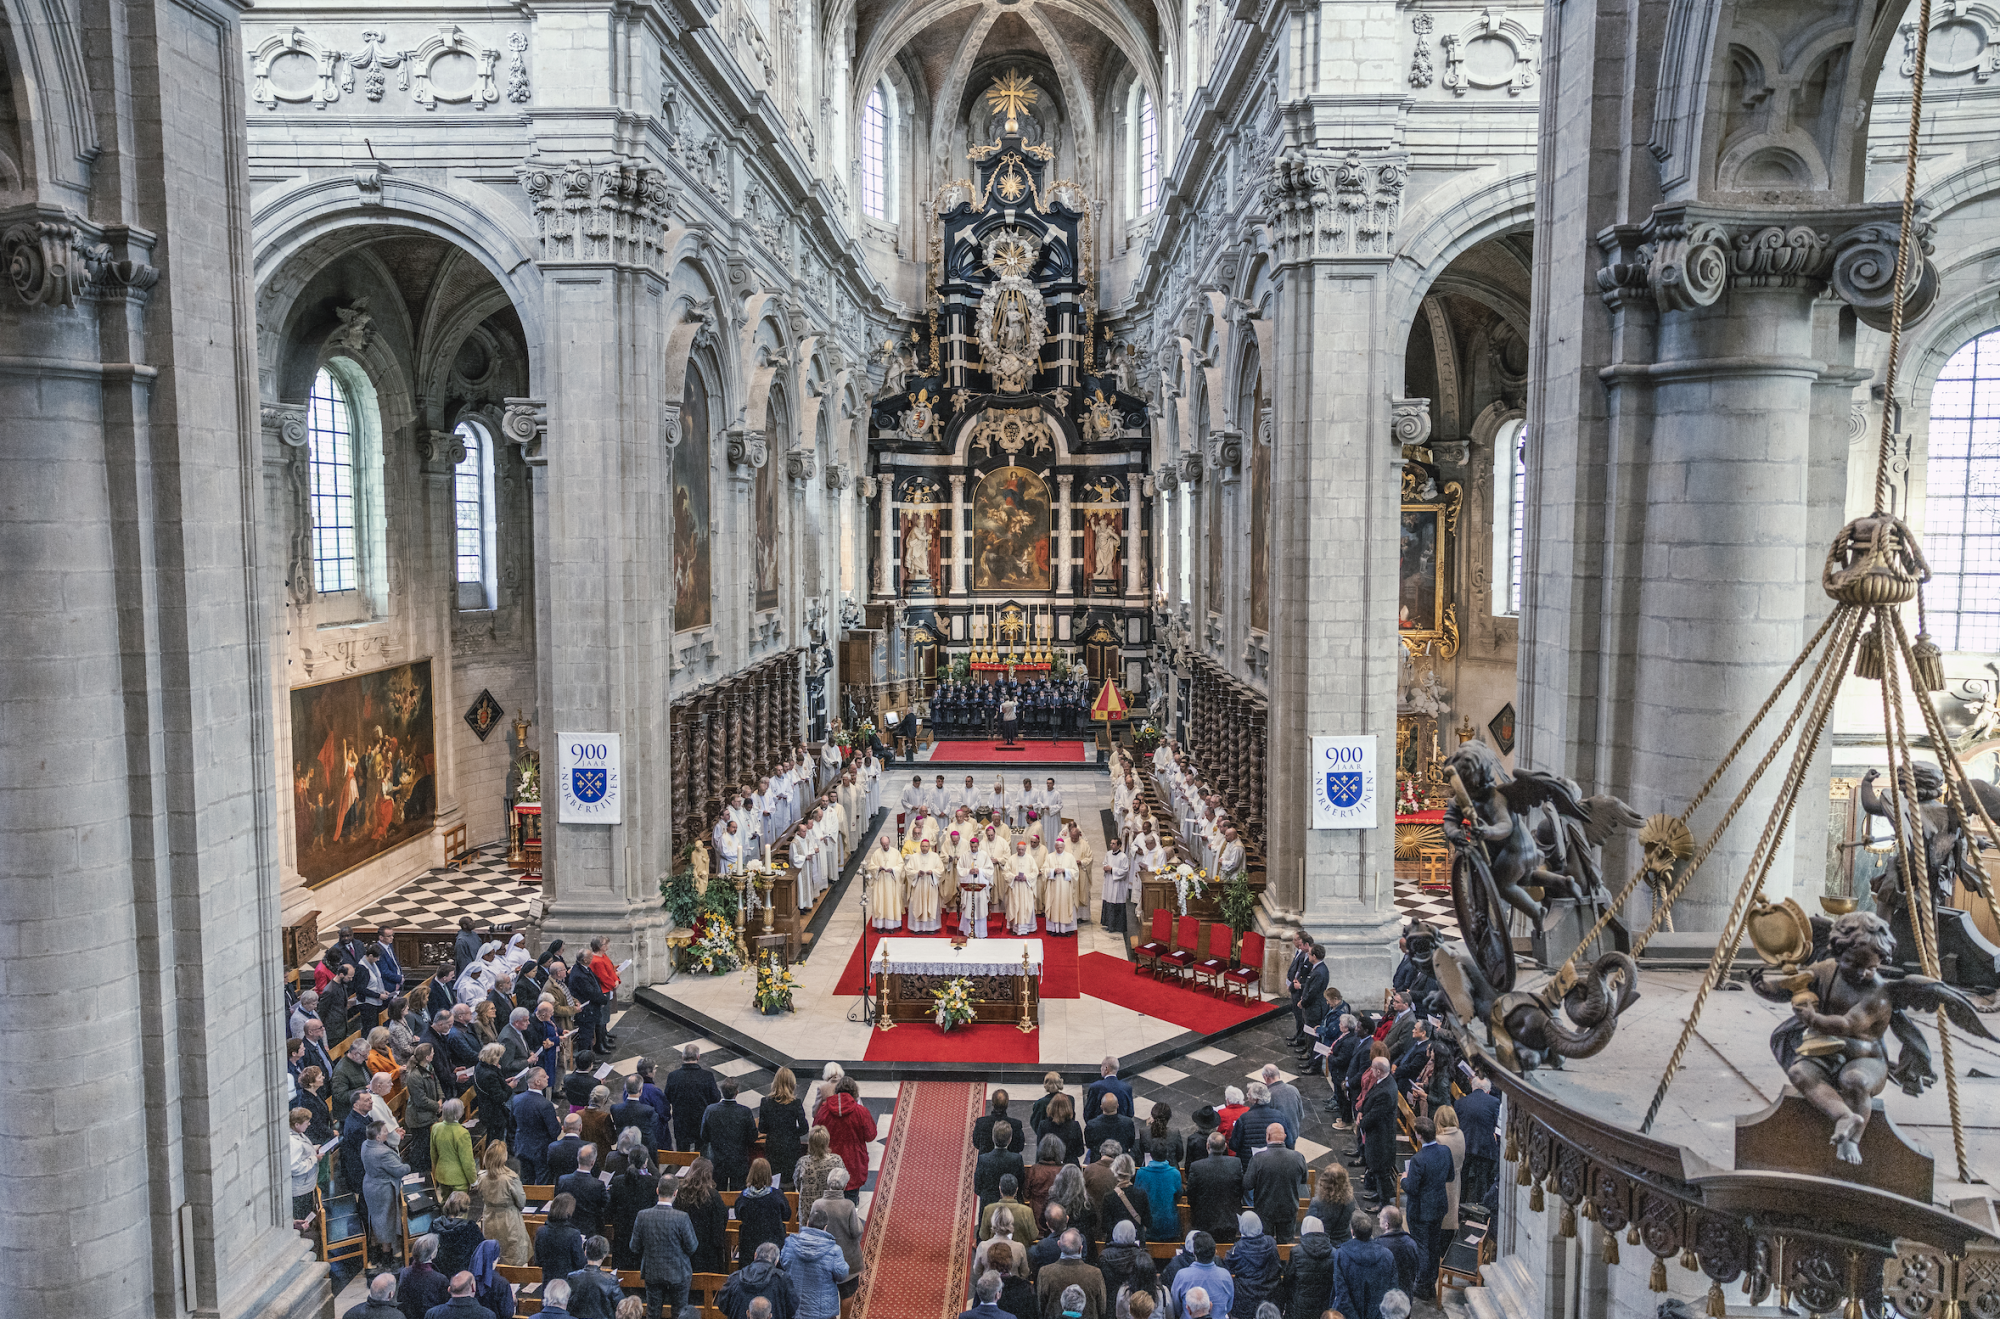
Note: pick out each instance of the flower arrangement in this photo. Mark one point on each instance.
(1188, 883)
(774, 988)
(1146, 738)
(715, 952)
(954, 1003)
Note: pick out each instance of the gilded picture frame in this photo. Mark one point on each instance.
(1427, 613)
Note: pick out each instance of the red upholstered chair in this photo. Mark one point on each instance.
(1187, 935)
(1249, 970)
(1148, 954)
(1217, 963)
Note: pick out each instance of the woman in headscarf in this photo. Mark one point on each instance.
(515, 955)
(477, 979)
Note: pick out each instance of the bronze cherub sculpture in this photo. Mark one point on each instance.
(1833, 1049)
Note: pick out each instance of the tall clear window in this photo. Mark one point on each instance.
(1510, 508)
(874, 155)
(468, 492)
(1962, 499)
(330, 463)
(1149, 155)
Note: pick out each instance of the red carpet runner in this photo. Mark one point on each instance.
(914, 1262)
(1034, 753)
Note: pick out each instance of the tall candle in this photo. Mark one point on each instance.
(767, 856)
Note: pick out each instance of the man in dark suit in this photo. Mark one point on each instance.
(591, 1023)
(514, 1038)
(1107, 1084)
(982, 1127)
(353, 1132)
(1215, 1191)
(690, 1090)
(593, 1200)
(1427, 1183)
(1273, 1180)
(316, 1054)
(536, 1128)
(728, 1130)
(1295, 974)
(1048, 1248)
(561, 1158)
(1246, 1137)
(1111, 1124)
(997, 1162)
(1478, 1117)
(1310, 1006)
(1377, 1125)
(463, 1042)
(1403, 1029)
(465, 948)
(663, 1237)
(636, 1112)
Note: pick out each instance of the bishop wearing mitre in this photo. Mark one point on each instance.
(884, 871)
(925, 873)
(1060, 887)
(1023, 877)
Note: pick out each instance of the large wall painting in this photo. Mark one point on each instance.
(694, 602)
(767, 533)
(1010, 520)
(364, 767)
(1425, 614)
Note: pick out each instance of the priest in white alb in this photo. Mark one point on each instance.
(728, 845)
(995, 799)
(804, 852)
(1229, 858)
(924, 873)
(1023, 878)
(1079, 847)
(883, 871)
(1059, 888)
(1117, 886)
(975, 887)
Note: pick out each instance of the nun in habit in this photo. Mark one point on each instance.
(925, 872)
(885, 885)
(1061, 886)
(1023, 877)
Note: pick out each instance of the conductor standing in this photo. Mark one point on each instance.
(1010, 719)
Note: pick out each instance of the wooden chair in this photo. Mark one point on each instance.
(1218, 962)
(1187, 935)
(676, 1158)
(1148, 954)
(524, 1305)
(1249, 971)
(343, 1232)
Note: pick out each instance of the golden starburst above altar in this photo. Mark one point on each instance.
(1011, 94)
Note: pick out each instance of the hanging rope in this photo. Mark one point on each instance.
(1904, 241)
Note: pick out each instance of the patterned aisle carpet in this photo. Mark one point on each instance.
(914, 1257)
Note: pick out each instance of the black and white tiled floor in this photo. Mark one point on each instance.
(483, 888)
(1427, 904)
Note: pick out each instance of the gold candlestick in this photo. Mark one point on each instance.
(882, 1021)
(1027, 1026)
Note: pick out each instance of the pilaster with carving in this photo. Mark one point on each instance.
(612, 210)
(289, 494)
(1226, 455)
(1321, 204)
(524, 423)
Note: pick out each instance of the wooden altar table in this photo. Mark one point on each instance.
(917, 967)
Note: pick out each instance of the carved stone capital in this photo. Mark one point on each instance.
(1065, 480)
(746, 448)
(1191, 469)
(52, 259)
(1226, 454)
(836, 477)
(1168, 478)
(800, 464)
(440, 452)
(868, 486)
(612, 210)
(1323, 204)
(1409, 420)
(957, 480)
(524, 423)
(285, 422)
(1685, 255)
(670, 424)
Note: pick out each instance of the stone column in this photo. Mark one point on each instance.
(1335, 481)
(884, 582)
(1728, 460)
(438, 455)
(961, 534)
(1166, 480)
(1134, 542)
(1062, 538)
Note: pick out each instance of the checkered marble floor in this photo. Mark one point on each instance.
(1431, 905)
(482, 887)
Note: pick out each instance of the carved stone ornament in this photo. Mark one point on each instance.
(1191, 469)
(1012, 431)
(46, 262)
(1324, 205)
(1409, 420)
(355, 331)
(670, 424)
(314, 77)
(799, 464)
(1421, 74)
(1167, 478)
(746, 448)
(836, 477)
(1490, 52)
(287, 421)
(440, 451)
(524, 422)
(1227, 452)
(1686, 255)
(429, 85)
(604, 211)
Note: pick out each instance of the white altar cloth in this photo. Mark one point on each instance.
(936, 957)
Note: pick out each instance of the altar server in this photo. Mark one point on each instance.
(967, 796)
(939, 799)
(975, 887)
(1052, 803)
(1060, 888)
(995, 800)
(765, 805)
(1229, 857)
(912, 799)
(1024, 801)
(1117, 886)
(728, 844)
(1023, 878)
(823, 829)
(885, 885)
(829, 760)
(1147, 856)
(925, 873)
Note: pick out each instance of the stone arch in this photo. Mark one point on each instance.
(764, 355)
(1470, 209)
(52, 105)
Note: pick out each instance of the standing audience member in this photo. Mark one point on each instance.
(1070, 1270)
(664, 1238)
(380, 1302)
(311, 1096)
(597, 1127)
(420, 1286)
(536, 1127)
(1193, 1271)
(593, 1289)
(1111, 1123)
(458, 1236)
(501, 1201)
(558, 1245)
(1479, 1118)
(850, 1126)
(1409, 1255)
(762, 1213)
(985, 1298)
(1215, 1191)
(1161, 1182)
(592, 1197)
(1042, 1174)
(809, 1175)
(812, 1260)
(1364, 1271)
(844, 1224)
(423, 1103)
(1124, 1202)
(1378, 1132)
(690, 1089)
(634, 1189)
(728, 1130)
(1125, 1262)
(1253, 1263)
(1107, 1083)
(634, 1111)
(1285, 1097)
(982, 1127)
(464, 1303)
(782, 1121)
(1059, 1120)
(1308, 1278)
(1452, 1139)
(560, 1160)
(1000, 1159)
(702, 1203)
(382, 1187)
(1017, 1291)
(1276, 1174)
(760, 1281)
(305, 1168)
(1333, 1202)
